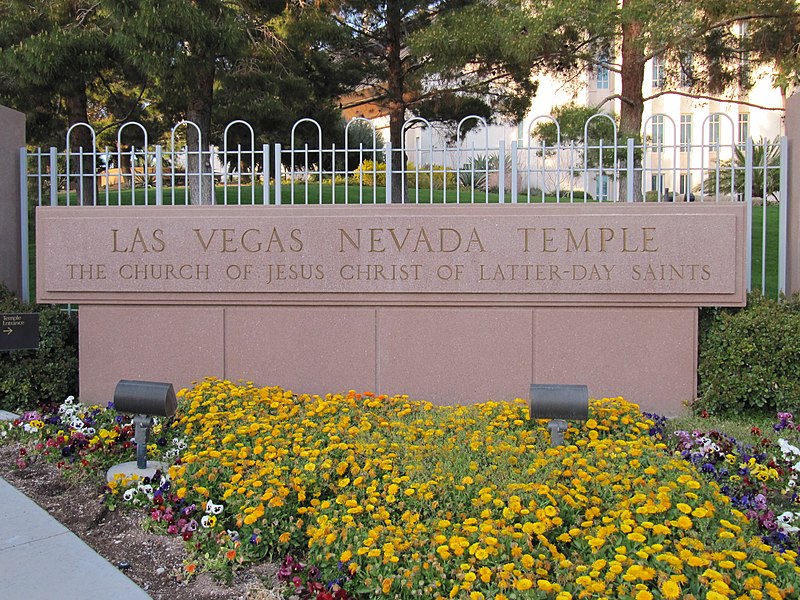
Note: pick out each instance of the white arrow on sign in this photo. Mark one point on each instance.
(8, 331)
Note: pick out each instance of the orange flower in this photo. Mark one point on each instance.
(230, 554)
(191, 568)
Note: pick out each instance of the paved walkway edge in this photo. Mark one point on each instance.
(40, 559)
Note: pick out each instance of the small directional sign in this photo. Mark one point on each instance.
(19, 331)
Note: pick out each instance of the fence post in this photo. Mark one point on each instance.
(748, 198)
(277, 173)
(265, 186)
(792, 164)
(501, 171)
(630, 171)
(159, 177)
(12, 124)
(782, 222)
(54, 177)
(514, 169)
(388, 154)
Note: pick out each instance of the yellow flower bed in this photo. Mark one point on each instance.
(404, 499)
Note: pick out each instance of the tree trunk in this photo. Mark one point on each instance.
(396, 121)
(397, 106)
(81, 138)
(198, 111)
(632, 104)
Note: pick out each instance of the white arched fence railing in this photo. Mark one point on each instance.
(306, 173)
(599, 171)
(539, 154)
(182, 158)
(407, 126)
(131, 156)
(239, 163)
(654, 153)
(698, 161)
(474, 156)
(82, 175)
(361, 164)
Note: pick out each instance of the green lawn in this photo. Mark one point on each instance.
(309, 194)
(773, 220)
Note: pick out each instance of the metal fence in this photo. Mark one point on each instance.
(426, 169)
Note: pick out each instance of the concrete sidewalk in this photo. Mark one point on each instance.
(40, 559)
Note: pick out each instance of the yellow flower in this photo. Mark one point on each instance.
(670, 590)
(386, 585)
(523, 584)
(544, 585)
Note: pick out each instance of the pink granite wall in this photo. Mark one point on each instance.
(445, 355)
(449, 304)
(12, 124)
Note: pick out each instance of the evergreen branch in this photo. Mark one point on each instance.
(712, 98)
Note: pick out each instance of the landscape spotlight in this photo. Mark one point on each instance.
(559, 402)
(145, 399)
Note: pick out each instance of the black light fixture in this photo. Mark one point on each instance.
(144, 399)
(559, 403)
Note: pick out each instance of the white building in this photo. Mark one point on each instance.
(694, 135)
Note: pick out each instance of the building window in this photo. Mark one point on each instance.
(601, 188)
(658, 72)
(657, 183)
(657, 131)
(713, 130)
(603, 77)
(687, 72)
(744, 58)
(744, 128)
(682, 184)
(686, 133)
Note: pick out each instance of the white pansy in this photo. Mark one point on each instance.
(208, 521)
(785, 520)
(787, 448)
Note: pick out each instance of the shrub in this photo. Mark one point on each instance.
(370, 173)
(426, 177)
(750, 358)
(30, 378)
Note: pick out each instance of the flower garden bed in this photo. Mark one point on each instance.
(363, 497)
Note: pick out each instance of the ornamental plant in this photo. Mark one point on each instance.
(80, 439)
(366, 497)
(750, 358)
(30, 378)
(392, 497)
(759, 480)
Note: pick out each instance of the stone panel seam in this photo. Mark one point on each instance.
(533, 345)
(224, 343)
(376, 350)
